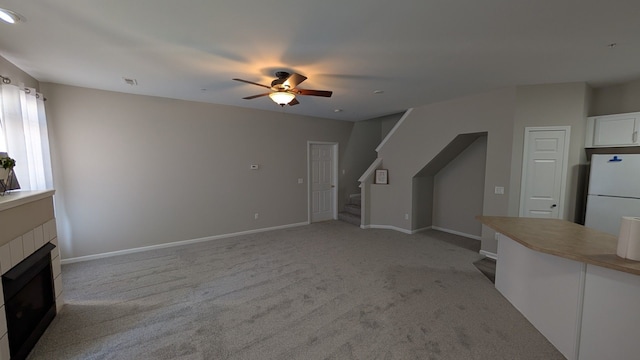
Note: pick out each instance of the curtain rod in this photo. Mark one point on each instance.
(6, 80)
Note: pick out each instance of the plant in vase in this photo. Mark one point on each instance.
(6, 173)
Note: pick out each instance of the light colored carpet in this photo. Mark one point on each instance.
(323, 291)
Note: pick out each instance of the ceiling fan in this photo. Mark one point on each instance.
(283, 89)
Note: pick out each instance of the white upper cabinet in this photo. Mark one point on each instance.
(613, 130)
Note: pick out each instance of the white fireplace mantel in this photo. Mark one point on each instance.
(27, 223)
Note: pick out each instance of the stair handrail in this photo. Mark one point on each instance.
(393, 130)
(370, 171)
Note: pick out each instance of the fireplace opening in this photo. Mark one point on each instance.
(29, 301)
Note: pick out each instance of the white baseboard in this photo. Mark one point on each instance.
(490, 255)
(176, 243)
(386, 227)
(395, 228)
(421, 230)
(475, 237)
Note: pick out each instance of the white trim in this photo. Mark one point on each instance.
(370, 170)
(525, 160)
(395, 228)
(335, 176)
(421, 229)
(475, 237)
(387, 227)
(395, 127)
(176, 243)
(490, 255)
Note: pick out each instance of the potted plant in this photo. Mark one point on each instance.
(6, 173)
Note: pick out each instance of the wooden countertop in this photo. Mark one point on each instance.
(565, 239)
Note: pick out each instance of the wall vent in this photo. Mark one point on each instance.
(131, 82)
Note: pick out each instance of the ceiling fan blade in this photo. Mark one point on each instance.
(251, 82)
(293, 102)
(293, 80)
(255, 96)
(314, 92)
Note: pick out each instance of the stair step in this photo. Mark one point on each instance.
(349, 218)
(353, 209)
(355, 199)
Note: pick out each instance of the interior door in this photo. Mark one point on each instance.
(544, 172)
(323, 181)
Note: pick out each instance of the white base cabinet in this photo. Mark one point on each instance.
(610, 315)
(545, 289)
(587, 312)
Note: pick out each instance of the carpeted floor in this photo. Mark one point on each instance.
(324, 291)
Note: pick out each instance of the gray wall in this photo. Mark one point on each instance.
(387, 123)
(503, 114)
(458, 191)
(102, 207)
(551, 105)
(616, 99)
(360, 151)
(424, 133)
(422, 202)
(134, 171)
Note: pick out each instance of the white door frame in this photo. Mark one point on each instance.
(335, 178)
(525, 160)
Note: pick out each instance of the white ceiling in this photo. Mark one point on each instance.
(416, 51)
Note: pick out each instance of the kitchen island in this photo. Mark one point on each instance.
(567, 280)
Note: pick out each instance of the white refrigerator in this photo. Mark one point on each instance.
(614, 191)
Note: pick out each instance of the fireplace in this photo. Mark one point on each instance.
(29, 298)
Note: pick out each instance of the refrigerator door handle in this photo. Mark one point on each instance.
(634, 137)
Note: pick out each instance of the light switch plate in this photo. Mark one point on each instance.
(499, 190)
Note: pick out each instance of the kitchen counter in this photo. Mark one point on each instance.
(567, 280)
(565, 239)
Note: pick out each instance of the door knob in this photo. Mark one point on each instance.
(554, 205)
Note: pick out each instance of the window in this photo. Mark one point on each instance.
(24, 136)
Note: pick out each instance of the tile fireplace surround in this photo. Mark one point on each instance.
(27, 223)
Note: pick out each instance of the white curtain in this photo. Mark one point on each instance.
(23, 129)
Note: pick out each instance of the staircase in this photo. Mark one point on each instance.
(352, 210)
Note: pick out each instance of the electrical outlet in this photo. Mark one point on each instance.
(256, 216)
(406, 216)
(300, 180)
(499, 190)
(497, 236)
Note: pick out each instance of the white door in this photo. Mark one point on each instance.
(323, 181)
(544, 170)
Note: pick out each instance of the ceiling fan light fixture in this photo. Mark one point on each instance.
(10, 17)
(282, 98)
